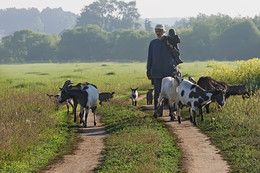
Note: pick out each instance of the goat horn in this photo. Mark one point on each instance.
(185, 75)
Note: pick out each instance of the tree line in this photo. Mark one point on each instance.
(113, 35)
(51, 21)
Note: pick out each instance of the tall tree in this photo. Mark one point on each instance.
(110, 15)
(148, 25)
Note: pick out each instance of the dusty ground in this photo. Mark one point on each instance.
(200, 156)
(88, 154)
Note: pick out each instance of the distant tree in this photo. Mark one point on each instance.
(148, 25)
(130, 44)
(56, 20)
(12, 19)
(28, 46)
(241, 41)
(48, 21)
(89, 43)
(110, 15)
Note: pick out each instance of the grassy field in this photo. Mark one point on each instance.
(33, 133)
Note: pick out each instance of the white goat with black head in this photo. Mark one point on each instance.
(134, 96)
(194, 96)
(87, 97)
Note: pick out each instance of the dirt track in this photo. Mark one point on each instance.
(88, 154)
(199, 155)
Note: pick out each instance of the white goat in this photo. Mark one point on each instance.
(169, 92)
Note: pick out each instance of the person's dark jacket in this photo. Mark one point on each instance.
(160, 62)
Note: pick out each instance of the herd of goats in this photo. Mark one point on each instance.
(176, 92)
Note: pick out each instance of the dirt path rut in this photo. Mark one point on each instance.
(88, 154)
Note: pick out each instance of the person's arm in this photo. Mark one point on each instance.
(149, 62)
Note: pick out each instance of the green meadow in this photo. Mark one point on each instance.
(33, 134)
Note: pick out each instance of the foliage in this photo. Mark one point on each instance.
(26, 45)
(136, 142)
(218, 37)
(109, 15)
(48, 20)
(235, 131)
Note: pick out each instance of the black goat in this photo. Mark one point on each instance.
(105, 96)
(208, 83)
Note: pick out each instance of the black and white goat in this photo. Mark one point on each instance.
(105, 96)
(56, 98)
(75, 101)
(134, 96)
(194, 96)
(87, 97)
(149, 97)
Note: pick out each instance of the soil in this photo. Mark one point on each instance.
(88, 153)
(200, 156)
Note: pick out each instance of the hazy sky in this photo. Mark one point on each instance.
(154, 8)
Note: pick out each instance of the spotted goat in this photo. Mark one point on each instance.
(194, 96)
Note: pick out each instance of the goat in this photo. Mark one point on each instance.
(55, 99)
(134, 96)
(87, 97)
(208, 83)
(169, 88)
(149, 97)
(105, 96)
(237, 90)
(194, 96)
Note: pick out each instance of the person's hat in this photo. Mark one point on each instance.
(160, 26)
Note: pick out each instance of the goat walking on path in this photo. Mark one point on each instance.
(86, 97)
(134, 96)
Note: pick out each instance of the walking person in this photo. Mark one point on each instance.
(160, 62)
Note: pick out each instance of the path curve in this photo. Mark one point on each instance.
(88, 153)
(199, 155)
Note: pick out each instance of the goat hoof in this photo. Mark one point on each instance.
(95, 123)
(172, 118)
(194, 123)
(155, 115)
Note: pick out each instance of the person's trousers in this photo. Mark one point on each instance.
(157, 89)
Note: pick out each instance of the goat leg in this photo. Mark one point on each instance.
(194, 118)
(201, 114)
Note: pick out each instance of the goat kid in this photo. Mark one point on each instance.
(134, 96)
(86, 97)
(194, 96)
(105, 96)
(149, 97)
(56, 98)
